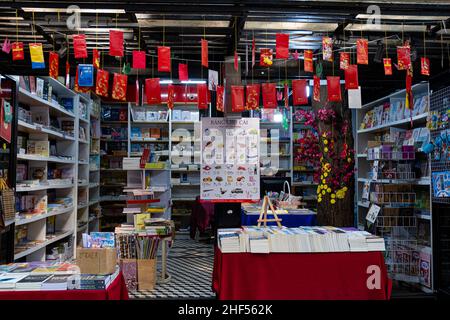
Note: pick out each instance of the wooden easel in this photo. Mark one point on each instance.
(263, 214)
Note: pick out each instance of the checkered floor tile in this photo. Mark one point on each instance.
(190, 264)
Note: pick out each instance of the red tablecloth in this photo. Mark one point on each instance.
(117, 290)
(298, 276)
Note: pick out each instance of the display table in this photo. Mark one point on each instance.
(117, 290)
(288, 220)
(298, 276)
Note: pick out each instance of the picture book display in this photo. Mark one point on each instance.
(229, 159)
(441, 184)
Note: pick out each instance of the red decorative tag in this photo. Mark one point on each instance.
(53, 64)
(334, 89)
(139, 59)
(387, 66)
(299, 92)
(95, 59)
(17, 51)
(282, 45)
(316, 89)
(269, 95)
(236, 61)
(79, 46)
(220, 90)
(327, 49)
(362, 51)
(351, 77)
(119, 90)
(237, 99)
(403, 57)
(202, 96)
(308, 61)
(102, 83)
(344, 60)
(265, 57)
(164, 64)
(204, 53)
(170, 96)
(116, 43)
(153, 91)
(424, 66)
(252, 96)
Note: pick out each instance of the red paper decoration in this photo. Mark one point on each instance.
(344, 60)
(153, 91)
(299, 93)
(164, 64)
(17, 51)
(79, 46)
(252, 96)
(170, 96)
(316, 89)
(95, 58)
(403, 57)
(351, 77)
(139, 59)
(334, 89)
(327, 49)
(387, 66)
(202, 96)
(119, 90)
(269, 95)
(237, 99)
(282, 46)
(308, 61)
(204, 53)
(424, 66)
(53, 64)
(220, 90)
(362, 51)
(183, 72)
(102, 83)
(116, 43)
(236, 61)
(265, 57)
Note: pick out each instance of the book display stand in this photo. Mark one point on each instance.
(263, 215)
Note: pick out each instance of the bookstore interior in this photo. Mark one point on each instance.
(193, 150)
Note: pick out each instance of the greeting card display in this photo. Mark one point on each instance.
(220, 90)
(237, 99)
(387, 62)
(316, 89)
(308, 61)
(403, 57)
(17, 51)
(344, 60)
(53, 64)
(96, 58)
(252, 96)
(153, 91)
(102, 83)
(119, 89)
(269, 95)
(170, 96)
(265, 57)
(202, 96)
(282, 45)
(183, 72)
(334, 89)
(139, 59)
(424, 66)
(37, 56)
(299, 92)
(116, 43)
(204, 44)
(79, 46)
(327, 49)
(362, 51)
(85, 75)
(164, 64)
(351, 77)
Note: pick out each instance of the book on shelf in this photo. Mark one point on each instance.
(38, 147)
(40, 87)
(32, 81)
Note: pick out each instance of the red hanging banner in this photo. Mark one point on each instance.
(202, 96)
(252, 96)
(299, 93)
(282, 46)
(424, 66)
(403, 57)
(164, 64)
(183, 72)
(119, 89)
(139, 59)
(79, 46)
(387, 66)
(102, 83)
(95, 59)
(308, 61)
(220, 90)
(17, 51)
(269, 95)
(170, 96)
(153, 91)
(265, 57)
(351, 77)
(362, 51)
(316, 89)
(344, 60)
(327, 49)
(53, 65)
(237, 99)
(116, 43)
(334, 89)
(236, 61)
(204, 53)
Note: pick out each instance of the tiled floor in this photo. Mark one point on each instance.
(190, 264)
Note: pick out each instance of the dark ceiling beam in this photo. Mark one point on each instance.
(38, 29)
(237, 24)
(139, 37)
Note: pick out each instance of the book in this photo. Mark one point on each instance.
(32, 84)
(31, 282)
(37, 147)
(39, 87)
(8, 281)
(56, 282)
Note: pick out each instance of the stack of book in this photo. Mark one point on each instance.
(32, 282)
(259, 244)
(8, 281)
(56, 282)
(229, 240)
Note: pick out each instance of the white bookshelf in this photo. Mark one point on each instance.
(94, 208)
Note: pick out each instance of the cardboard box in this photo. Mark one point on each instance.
(146, 272)
(97, 260)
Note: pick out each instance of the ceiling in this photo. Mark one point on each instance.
(230, 24)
